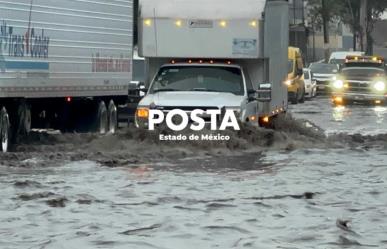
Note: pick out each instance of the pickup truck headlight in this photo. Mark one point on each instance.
(141, 117)
(338, 84)
(380, 86)
(142, 113)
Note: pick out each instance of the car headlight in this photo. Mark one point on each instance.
(380, 86)
(338, 84)
(288, 82)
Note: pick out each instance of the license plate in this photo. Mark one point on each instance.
(321, 87)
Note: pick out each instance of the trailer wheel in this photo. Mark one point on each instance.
(4, 129)
(102, 118)
(24, 119)
(112, 114)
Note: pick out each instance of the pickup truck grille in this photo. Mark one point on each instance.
(187, 108)
(359, 87)
(322, 82)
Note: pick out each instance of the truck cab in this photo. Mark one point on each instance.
(214, 55)
(295, 80)
(362, 79)
(202, 85)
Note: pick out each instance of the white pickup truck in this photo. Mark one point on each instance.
(218, 54)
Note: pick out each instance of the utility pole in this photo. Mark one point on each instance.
(363, 24)
(353, 23)
(325, 17)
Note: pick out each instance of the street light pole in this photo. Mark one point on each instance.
(363, 24)
(325, 29)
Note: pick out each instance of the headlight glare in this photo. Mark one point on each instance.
(380, 86)
(288, 82)
(338, 84)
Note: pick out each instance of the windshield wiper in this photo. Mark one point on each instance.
(165, 90)
(204, 90)
(211, 90)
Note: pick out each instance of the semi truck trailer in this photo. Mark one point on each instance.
(63, 64)
(218, 54)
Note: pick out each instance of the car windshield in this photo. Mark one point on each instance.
(290, 66)
(199, 78)
(337, 61)
(365, 72)
(323, 68)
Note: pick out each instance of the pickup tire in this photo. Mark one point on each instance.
(4, 130)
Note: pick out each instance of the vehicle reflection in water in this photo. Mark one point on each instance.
(340, 113)
(380, 112)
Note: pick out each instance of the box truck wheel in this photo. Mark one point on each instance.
(4, 129)
(101, 121)
(112, 114)
(24, 119)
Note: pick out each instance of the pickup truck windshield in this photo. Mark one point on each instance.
(322, 68)
(199, 78)
(365, 72)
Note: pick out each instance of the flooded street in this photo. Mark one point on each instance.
(300, 191)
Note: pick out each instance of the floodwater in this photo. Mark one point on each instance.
(297, 189)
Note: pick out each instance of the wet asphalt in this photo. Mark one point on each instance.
(299, 196)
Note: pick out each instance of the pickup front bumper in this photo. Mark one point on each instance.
(359, 96)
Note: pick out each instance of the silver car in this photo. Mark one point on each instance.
(323, 74)
(310, 84)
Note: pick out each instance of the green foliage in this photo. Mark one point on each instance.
(346, 11)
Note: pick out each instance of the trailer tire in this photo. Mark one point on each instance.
(24, 119)
(4, 130)
(113, 117)
(101, 120)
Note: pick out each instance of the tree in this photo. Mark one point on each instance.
(321, 14)
(348, 12)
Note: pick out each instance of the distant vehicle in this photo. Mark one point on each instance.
(295, 82)
(323, 74)
(310, 84)
(197, 60)
(362, 79)
(339, 57)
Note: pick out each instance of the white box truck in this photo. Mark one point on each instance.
(217, 54)
(63, 64)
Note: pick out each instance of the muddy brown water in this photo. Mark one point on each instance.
(290, 188)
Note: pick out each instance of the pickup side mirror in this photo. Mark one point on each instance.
(137, 88)
(141, 89)
(264, 92)
(252, 95)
